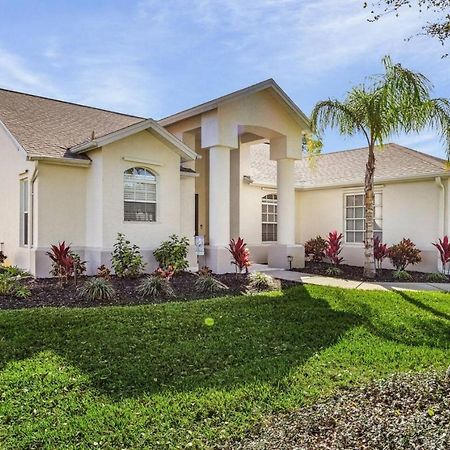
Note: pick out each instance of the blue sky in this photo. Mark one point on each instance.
(154, 58)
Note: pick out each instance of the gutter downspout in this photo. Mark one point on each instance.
(31, 216)
(441, 214)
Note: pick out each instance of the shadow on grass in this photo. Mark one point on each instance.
(423, 306)
(130, 351)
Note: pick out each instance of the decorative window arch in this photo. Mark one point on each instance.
(140, 195)
(269, 218)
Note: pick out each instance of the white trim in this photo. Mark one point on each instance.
(213, 104)
(149, 124)
(142, 161)
(189, 174)
(61, 161)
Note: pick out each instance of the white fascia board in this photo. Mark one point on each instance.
(378, 182)
(182, 149)
(213, 104)
(61, 161)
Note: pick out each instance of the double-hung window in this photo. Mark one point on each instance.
(354, 217)
(24, 211)
(269, 218)
(140, 195)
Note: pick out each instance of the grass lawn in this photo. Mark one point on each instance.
(159, 377)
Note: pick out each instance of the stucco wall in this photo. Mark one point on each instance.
(409, 210)
(84, 206)
(13, 164)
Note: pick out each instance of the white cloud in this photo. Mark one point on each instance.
(16, 74)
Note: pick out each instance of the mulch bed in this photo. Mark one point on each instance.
(356, 273)
(47, 292)
(409, 411)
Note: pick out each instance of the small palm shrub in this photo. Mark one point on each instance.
(96, 289)
(173, 253)
(207, 284)
(437, 278)
(240, 253)
(260, 281)
(155, 287)
(315, 248)
(402, 275)
(333, 271)
(443, 247)
(11, 286)
(126, 258)
(334, 247)
(65, 262)
(403, 254)
(380, 252)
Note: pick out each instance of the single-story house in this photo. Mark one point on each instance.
(230, 167)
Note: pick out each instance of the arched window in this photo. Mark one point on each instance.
(269, 218)
(139, 195)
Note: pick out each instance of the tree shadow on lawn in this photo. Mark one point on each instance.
(130, 351)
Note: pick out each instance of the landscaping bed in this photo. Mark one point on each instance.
(48, 291)
(356, 273)
(409, 411)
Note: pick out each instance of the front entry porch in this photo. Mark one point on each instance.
(221, 133)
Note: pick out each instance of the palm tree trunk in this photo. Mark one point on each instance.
(369, 201)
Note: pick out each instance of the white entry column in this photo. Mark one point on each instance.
(286, 201)
(219, 209)
(285, 253)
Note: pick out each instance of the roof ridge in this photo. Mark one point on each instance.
(71, 103)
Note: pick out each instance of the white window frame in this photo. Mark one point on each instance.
(266, 201)
(154, 182)
(24, 222)
(352, 217)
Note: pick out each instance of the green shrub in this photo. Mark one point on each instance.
(173, 253)
(437, 278)
(11, 286)
(207, 284)
(126, 258)
(402, 275)
(96, 289)
(259, 281)
(15, 271)
(334, 271)
(155, 287)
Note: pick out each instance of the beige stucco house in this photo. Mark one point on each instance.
(229, 167)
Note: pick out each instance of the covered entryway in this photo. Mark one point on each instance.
(221, 132)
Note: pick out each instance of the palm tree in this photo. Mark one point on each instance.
(387, 104)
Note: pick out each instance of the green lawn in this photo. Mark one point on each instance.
(159, 377)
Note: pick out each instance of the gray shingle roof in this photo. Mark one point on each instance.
(393, 162)
(46, 127)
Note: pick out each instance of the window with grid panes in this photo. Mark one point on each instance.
(269, 218)
(139, 195)
(354, 217)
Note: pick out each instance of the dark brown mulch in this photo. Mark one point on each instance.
(356, 273)
(47, 292)
(409, 411)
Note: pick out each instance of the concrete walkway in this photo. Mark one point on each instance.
(307, 278)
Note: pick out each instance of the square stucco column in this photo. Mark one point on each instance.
(280, 253)
(218, 257)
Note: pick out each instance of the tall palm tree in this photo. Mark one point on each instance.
(395, 101)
